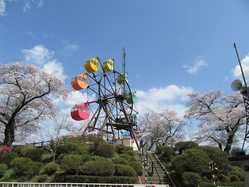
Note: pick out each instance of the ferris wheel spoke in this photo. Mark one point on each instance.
(110, 84)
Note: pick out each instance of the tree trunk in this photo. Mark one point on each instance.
(229, 143)
(9, 133)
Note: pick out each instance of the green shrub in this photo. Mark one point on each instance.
(183, 146)
(3, 169)
(105, 150)
(120, 149)
(137, 167)
(124, 170)
(119, 160)
(50, 168)
(98, 168)
(95, 179)
(231, 184)
(191, 179)
(239, 172)
(128, 157)
(71, 148)
(25, 166)
(40, 178)
(46, 157)
(166, 153)
(219, 157)
(72, 163)
(234, 178)
(9, 175)
(32, 152)
(207, 184)
(6, 158)
(193, 160)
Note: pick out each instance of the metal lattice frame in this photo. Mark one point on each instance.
(245, 99)
(112, 114)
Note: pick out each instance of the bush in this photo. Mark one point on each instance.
(105, 150)
(32, 152)
(50, 168)
(124, 170)
(166, 153)
(72, 163)
(239, 172)
(191, 179)
(137, 167)
(193, 160)
(207, 184)
(219, 157)
(98, 168)
(95, 179)
(6, 158)
(71, 148)
(119, 160)
(25, 166)
(120, 149)
(8, 176)
(183, 146)
(46, 157)
(40, 178)
(234, 178)
(3, 169)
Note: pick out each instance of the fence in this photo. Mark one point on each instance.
(23, 184)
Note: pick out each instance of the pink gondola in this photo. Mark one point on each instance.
(80, 112)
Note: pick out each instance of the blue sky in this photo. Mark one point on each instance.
(188, 44)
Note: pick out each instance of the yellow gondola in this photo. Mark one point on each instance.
(92, 65)
(108, 65)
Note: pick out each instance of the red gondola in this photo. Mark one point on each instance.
(80, 112)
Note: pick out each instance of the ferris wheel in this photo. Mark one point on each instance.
(109, 110)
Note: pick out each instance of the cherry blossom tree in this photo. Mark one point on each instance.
(26, 98)
(161, 128)
(221, 117)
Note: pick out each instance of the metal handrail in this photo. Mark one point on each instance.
(165, 170)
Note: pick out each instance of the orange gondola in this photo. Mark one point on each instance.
(80, 82)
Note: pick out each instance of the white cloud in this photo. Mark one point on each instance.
(39, 54)
(171, 97)
(2, 7)
(245, 65)
(196, 66)
(28, 4)
(46, 59)
(56, 69)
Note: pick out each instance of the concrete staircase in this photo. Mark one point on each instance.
(154, 171)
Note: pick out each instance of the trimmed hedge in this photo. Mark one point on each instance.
(32, 152)
(6, 158)
(72, 163)
(105, 150)
(98, 168)
(191, 179)
(95, 179)
(124, 170)
(50, 168)
(25, 167)
(3, 169)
